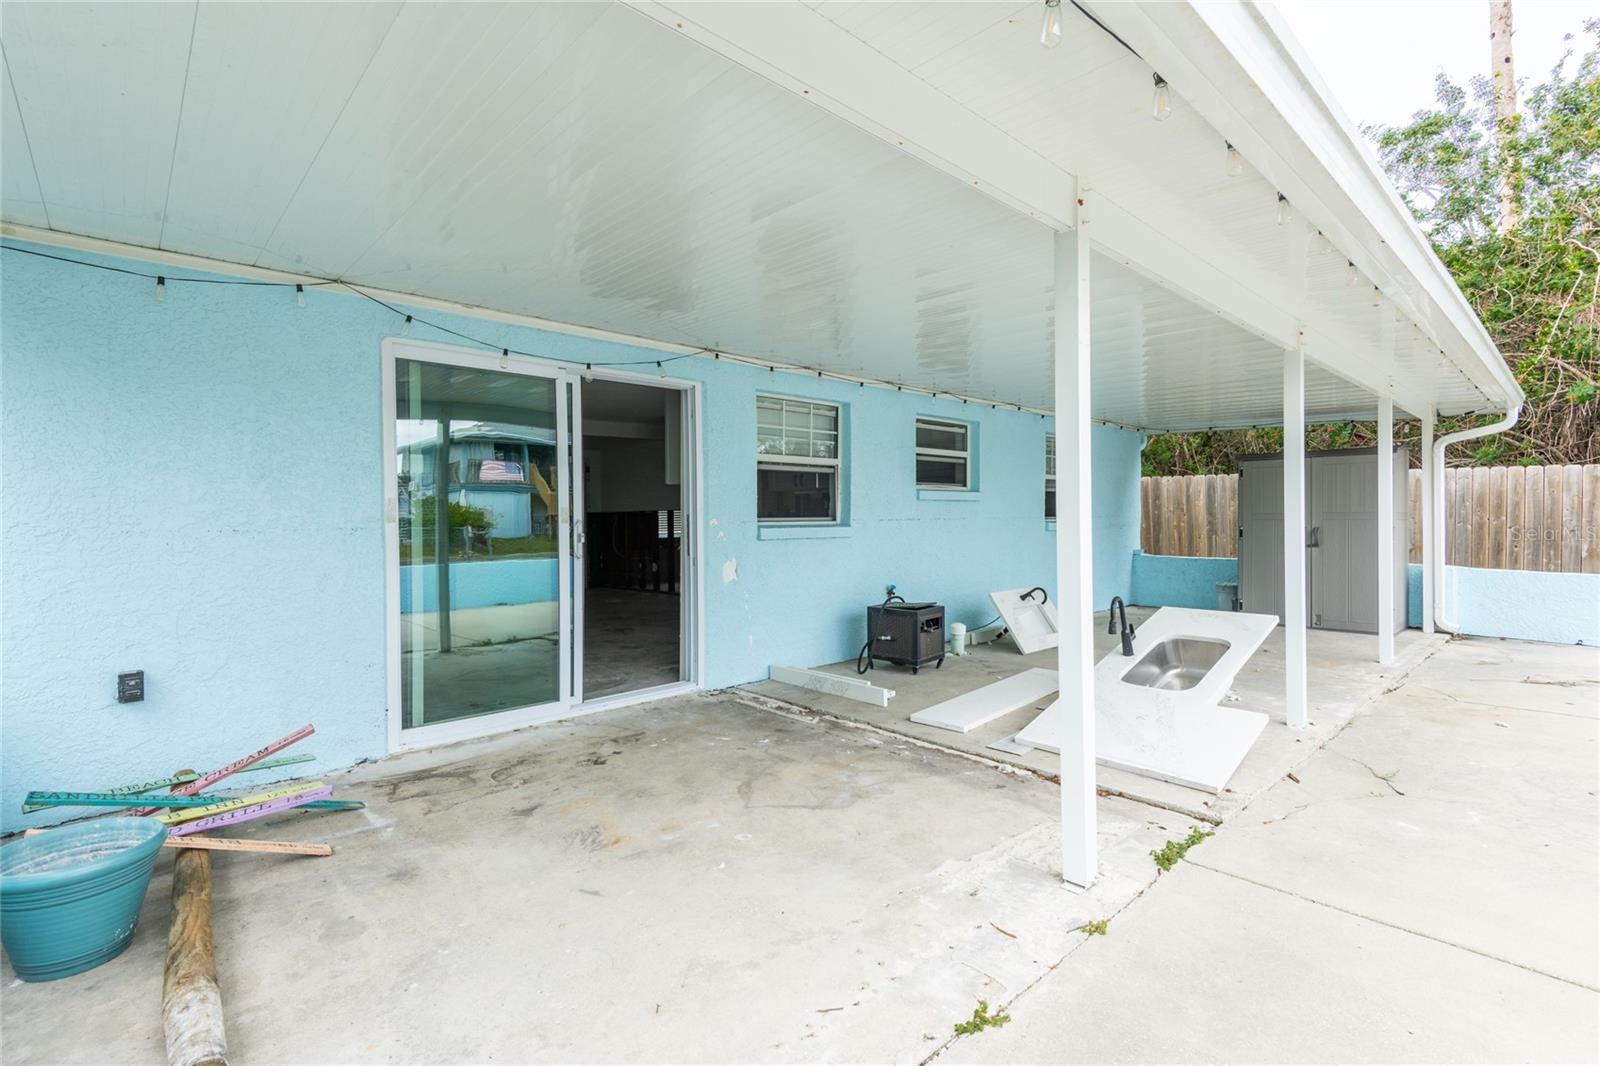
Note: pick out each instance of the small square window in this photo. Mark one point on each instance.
(797, 460)
(944, 454)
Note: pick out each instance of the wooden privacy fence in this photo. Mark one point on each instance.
(1191, 515)
(1502, 517)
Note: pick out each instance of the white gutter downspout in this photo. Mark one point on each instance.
(1441, 615)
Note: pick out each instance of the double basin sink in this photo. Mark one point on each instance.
(1176, 663)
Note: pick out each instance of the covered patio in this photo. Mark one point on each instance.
(1157, 222)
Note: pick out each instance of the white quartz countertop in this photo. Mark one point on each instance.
(1178, 735)
(1245, 633)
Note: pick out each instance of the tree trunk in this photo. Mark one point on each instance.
(1503, 73)
(191, 1001)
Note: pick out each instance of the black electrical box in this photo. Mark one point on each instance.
(130, 687)
(906, 634)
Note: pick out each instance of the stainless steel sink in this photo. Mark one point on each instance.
(1177, 663)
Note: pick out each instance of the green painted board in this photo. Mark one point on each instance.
(41, 800)
(177, 779)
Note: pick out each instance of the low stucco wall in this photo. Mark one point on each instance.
(1516, 604)
(1519, 604)
(1180, 581)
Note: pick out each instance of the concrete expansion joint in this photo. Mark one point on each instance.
(1403, 668)
(773, 705)
(1006, 1006)
(1392, 925)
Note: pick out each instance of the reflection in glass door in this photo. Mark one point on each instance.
(480, 462)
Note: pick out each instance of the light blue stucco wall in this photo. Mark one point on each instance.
(1180, 581)
(194, 488)
(1516, 604)
(1520, 604)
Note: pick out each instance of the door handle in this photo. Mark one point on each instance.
(1314, 537)
(577, 538)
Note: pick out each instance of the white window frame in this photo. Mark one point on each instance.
(1050, 471)
(803, 462)
(964, 454)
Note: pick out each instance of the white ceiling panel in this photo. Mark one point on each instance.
(254, 118)
(100, 87)
(587, 164)
(447, 95)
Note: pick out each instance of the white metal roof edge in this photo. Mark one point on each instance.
(1254, 60)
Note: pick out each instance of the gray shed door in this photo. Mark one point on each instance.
(1261, 539)
(1344, 539)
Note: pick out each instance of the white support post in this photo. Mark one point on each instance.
(1426, 510)
(1294, 535)
(1074, 553)
(1385, 530)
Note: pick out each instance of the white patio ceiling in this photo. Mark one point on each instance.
(593, 164)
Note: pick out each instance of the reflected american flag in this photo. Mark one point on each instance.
(500, 470)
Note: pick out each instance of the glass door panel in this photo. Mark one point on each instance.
(481, 468)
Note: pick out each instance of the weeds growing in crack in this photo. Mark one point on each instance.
(981, 1020)
(1173, 850)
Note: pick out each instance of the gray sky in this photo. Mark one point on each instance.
(1380, 56)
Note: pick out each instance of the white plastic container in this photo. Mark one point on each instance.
(958, 638)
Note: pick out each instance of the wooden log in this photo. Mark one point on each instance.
(191, 1000)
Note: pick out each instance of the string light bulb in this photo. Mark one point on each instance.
(1351, 274)
(1285, 212)
(1050, 33)
(300, 295)
(1160, 100)
(1235, 163)
(405, 327)
(1322, 242)
(505, 358)
(161, 289)
(1377, 296)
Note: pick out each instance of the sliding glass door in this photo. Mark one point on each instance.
(481, 465)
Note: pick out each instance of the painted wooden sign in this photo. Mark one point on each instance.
(249, 813)
(199, 784)
(41, 800)
(175, 779)
(187, 814)
(270, 847)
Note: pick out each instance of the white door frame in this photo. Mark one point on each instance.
(570, 591)
(691, 585)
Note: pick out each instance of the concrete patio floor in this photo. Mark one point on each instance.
(700, 879)
(707, 879)
(1429, 890)
(1344, 679)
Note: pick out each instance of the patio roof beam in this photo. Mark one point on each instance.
(792, 46)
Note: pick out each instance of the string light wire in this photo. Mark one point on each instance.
(410, 319)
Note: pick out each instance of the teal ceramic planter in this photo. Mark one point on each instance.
(70, 898)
